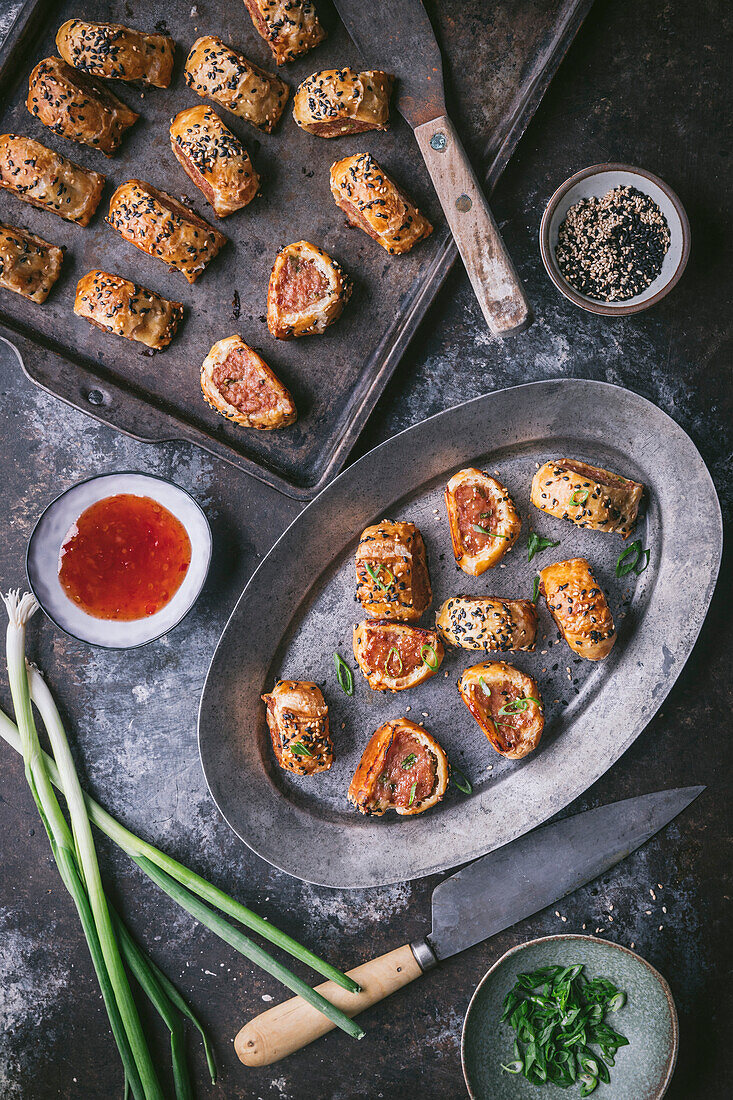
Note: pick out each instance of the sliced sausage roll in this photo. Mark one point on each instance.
(158, 224)
(589, 496)
(480, 622)
(579, 608)
(77, 106)
(307, 292)
(403, 768)
(28, 264)
(47, 180)
(373, 202)
(392, 580)
(117, 52)
(240, 385)
(506, 704)
(126, 309)
(394, 656)
(298, 719)
(484, 523)
(341, 101)
(289, 27)
(218, 72)
(214, 158)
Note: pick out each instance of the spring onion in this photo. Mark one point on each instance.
(396, 652)
(535, 589)
(374, 574)
(579, 499)
(409, 761)
(458, 779)
(433, 664)
(518, 705)
(413, 788)
(634, 565)
(537, 543)
(300, 749)
(344, 674)
(484, 531)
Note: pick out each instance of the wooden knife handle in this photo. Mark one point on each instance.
(293, 1024)
(490, 269)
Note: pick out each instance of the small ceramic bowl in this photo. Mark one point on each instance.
(643, 1069)
(42, 559)
(595, 182)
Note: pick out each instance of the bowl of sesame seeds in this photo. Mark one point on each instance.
(614, 239)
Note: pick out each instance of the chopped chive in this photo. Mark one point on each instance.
(396, 652)
(483, 531)
(432, 666)
(299, 749)
(537, 543)
(343, 675)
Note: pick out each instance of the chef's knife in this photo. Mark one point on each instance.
(396, 36)
(482, 899)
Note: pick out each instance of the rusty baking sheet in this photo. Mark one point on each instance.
(499, 59)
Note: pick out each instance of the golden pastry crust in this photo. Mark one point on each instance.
(116, 52)
(579, 608)
(507, 705)
(588, 496)
(478, 504)
(394, 656)
(77, 106)
(214, 158)
(307, 292)
(240, 385)
(116, 305)
(297, 717)
(392, 580)
(373, 202)
(480, 622)
(289, 27)
(218, 72)
(403, 768)
(335, 102)
(47, 180)
(28, 264)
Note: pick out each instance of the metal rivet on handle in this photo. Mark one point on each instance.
(95, 397)
(463, 203)
(438, 142)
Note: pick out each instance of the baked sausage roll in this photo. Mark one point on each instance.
(218, 72)
(158, 224)
(298, 719)
(126, 309)
(579, 608)
(373, 202)
(214, 158)
(117, 52)
(47, 180)
(506, 704)
(403, 768)
(484, 524)
(394, 656)
(28, 264)
(341, 101)
(392, 580)
(289, 27)
(480, 622)
(240, 385)
(307, 292)
(589, 496)
(77, 106)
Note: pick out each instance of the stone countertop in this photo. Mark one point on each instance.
(645, 84)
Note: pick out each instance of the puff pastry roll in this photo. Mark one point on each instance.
(480, 622)
(484, 524)
(589, 496)
(214, 158)
(126, 309)
(218, 72)
(77, 106)
(506, 704)
(373, 202)
(117, 52)
(341, 101)
(403, 768)
(28, 264)
(240, 385)
(392, 580)
(47, 180)
(307, 292)
(289, 27)
(395, 656)
(579, 608)
(297, 717)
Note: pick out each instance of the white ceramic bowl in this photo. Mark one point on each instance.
(45, 543)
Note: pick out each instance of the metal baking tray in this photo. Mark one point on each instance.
(499, 60)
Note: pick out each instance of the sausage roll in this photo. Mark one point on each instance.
(373, 202)
(480, 622)
(298, 719)
(28, 264)
(484, 523)
(47, 180)
(158, 224)
(506, 704)
(403, 768)
(394, 656)
(307, 292)
(77, 106)
(218, 72)
(341, 101)
(589, 496)
(240, 385)
(289, 27)
(126, 309)
(214, 158)
(392, 580)
(579, 608)
(117, 52)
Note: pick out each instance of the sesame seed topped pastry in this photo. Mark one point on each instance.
(395, 656)
(117, 52)
(588, 496)
(484, 524)
(307, 292)
(480, 622)
(47, 180)
(506, 704)
(238, 383)
(392, 580)
(342, 101)
(289, 27)
(216, 71)
(403, 768)
(214, 158)
(77, 106)
(28, 265)
(373, 202)
(579, 608)
(297, 717)
(125, 309)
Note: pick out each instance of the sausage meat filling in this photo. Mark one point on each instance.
(300, 284)
(242, 385)
(409, 772)
(395, 653)
(475, 509)
(510, 728)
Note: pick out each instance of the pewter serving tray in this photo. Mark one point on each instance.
(299, 608)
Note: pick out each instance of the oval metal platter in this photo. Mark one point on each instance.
(299, 609)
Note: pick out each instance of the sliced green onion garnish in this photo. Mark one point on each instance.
(486, 690)
(396, 652)
(517, 705)
(535, 589)
(645, 555)
(459, 780)
(513, 1067)
(483, 531)
(584, 494)
(587, 1083)
(429, 649)
(537, 543)
(299, 749)
(374, 574)
(409, 761)
(412, 794)
(617, 1002)
(631, 560)
(343, 675)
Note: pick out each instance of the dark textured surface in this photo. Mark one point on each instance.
(646, 84)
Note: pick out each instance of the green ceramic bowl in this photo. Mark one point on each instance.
(643, 1069)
